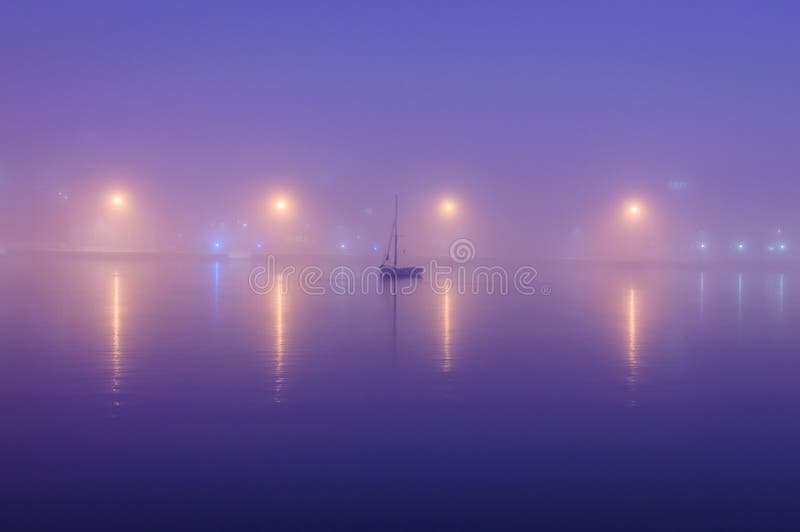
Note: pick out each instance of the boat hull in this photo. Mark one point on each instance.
(410, 271)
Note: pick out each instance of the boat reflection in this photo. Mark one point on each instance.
(394, 327)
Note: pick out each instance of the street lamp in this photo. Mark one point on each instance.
(117, 201)
(280, 205)
(448, 208)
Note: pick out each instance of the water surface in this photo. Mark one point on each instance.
(145, 393)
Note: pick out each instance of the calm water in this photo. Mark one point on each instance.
(137, 394)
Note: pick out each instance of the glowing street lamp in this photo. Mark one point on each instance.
(117, 201)
(632, 212)
(448, 207)
(280, 206)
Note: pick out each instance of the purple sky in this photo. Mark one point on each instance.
(539, 119)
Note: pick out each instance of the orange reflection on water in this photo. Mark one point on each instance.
(633, 340)
(447, 338)
(279, 337)
(116, 350)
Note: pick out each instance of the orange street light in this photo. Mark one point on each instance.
(117, 201)
(634, 210)
(448, 207)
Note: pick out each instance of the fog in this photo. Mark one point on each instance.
(541, 125)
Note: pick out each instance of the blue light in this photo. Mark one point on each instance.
(740, 246)
(777, 247)
(259, 245)
(217, 244)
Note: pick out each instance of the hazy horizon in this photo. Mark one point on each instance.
(540, 122)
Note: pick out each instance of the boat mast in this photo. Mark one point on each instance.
(395, 230)
(392, 236)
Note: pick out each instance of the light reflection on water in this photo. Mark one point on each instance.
(437, 388)
(633, 340)
(739, 314)
(319, 322)
(447, 340)
(702, 293)
(279, 335)
(116, 352)
(216, 289)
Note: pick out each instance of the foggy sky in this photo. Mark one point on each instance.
(539, 120)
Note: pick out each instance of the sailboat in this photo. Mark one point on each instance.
(393, 269)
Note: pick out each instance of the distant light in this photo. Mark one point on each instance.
(634, 210)
(259, 245)
(342, 245)
(217, 244)
(702, 245)
(740, 246)
(281, 207)
(117, 200)
(448, 207)
(376, 248)
(782, 246)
